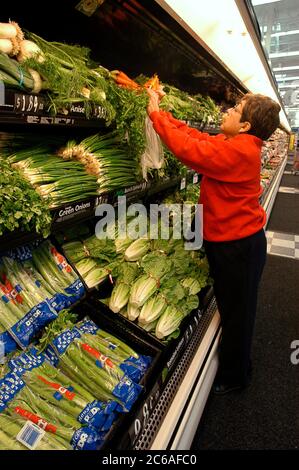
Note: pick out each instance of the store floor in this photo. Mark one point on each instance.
(265, 415)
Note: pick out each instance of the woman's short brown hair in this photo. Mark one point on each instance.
(263, 114)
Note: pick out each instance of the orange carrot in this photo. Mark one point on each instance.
(123, 80)
(126, 83)
(153, 83)
(123, 76)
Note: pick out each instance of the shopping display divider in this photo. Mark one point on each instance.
(81, 211)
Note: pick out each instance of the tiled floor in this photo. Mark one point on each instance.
(282, 244)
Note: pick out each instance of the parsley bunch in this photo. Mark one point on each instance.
(130, 108)
(21, 206)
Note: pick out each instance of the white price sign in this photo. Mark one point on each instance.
(30, 435)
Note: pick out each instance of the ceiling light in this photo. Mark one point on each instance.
(219, 27)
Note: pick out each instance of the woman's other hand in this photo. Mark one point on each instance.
(153, 104)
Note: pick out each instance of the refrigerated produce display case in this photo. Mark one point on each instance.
(140, 38)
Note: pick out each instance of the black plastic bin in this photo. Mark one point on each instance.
(97, 297)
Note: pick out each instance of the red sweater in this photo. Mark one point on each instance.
(230, 186)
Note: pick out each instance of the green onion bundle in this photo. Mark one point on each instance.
(13, 75)
(55, 179)
(105, 158)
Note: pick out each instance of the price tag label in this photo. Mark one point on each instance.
(144, 413)
(2, 352)
(183, 183)
(195, 178)
(28, 103)
(30, 435)
(99, 112)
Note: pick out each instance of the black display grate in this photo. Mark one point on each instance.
(158, 415)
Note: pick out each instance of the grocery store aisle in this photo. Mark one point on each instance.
(265, 415)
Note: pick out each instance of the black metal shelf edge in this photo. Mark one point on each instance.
(79, 211)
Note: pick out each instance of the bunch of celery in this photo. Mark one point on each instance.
(10, 428)
(118, 349)
(81, 362)
(53, 267)
(24, 285)
(37, 391)
(121, 355)
(58, 416)
(28, 403)
(98, 361)
(110, 345)
(19, 293)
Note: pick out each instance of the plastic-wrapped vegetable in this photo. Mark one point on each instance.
(57, 273)
(34, 290)
(11, 427)
(56, 388)
(104, 379)
(20, 400)
(133, 364)
(23, 308)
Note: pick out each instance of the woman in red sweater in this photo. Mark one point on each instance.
(233, 219)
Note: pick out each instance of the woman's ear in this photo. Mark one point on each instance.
(245, 126)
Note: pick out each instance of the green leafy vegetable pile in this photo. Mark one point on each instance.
(130, 108)
(21, 206)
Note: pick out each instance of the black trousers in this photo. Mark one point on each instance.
(236, 267)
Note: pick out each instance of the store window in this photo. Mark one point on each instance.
(278, 21)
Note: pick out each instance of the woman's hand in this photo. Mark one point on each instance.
(155, 98)
(153, 104)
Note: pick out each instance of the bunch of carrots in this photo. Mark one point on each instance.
(122, 80)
